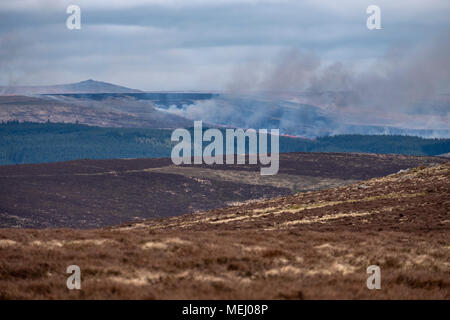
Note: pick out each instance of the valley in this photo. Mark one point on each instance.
(97, 193)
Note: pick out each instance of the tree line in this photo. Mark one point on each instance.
(29, 142)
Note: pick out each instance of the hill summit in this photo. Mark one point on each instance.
(87, 86)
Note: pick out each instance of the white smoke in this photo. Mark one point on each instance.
(406, 88)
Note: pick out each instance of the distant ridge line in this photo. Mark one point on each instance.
(87, 86)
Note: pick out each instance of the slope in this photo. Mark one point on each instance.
(306, 246)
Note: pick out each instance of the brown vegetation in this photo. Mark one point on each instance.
(98, 193)
(310, 245)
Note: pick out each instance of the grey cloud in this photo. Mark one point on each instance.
(125, 40)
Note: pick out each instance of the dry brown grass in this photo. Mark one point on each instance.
(399, 222)
(224, 265)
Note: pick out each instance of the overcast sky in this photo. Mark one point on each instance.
(198, 44)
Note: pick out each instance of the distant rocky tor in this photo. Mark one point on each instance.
(87, 86)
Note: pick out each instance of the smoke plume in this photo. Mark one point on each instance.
(405, 88)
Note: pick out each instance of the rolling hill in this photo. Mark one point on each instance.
(41, 109)
(87, 86)
(314, 245)
(298, 113)
(50, 142)
(98, 193)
